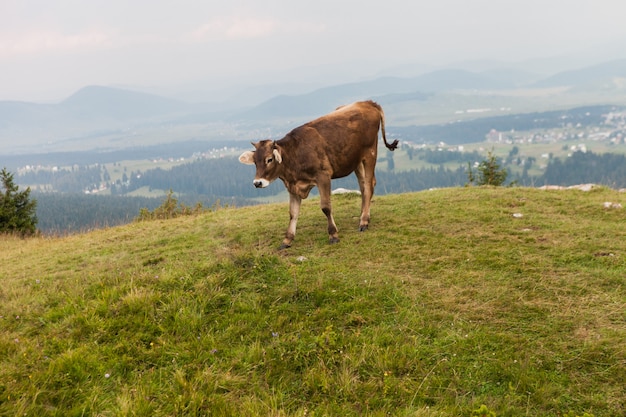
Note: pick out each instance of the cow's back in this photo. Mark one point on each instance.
(347, 135)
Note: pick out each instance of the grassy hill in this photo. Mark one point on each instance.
(448, 305)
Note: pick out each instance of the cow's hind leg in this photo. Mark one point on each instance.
(366, 184)
(324, 189)
(294, 210)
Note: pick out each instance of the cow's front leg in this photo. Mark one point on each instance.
(324, 189)
(294, 211)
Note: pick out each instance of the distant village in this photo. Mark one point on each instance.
(613, 129)
(209, 154)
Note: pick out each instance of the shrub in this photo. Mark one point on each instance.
(169, 209)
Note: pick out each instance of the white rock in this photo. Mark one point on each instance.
(345, 191)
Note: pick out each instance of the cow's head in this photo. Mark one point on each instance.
(267, 158)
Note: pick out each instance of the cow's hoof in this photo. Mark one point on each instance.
(333, 240)
(363, 228)
(284, 246)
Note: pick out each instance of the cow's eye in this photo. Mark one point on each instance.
(269, 160)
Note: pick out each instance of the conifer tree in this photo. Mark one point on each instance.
(489, 172)
(17, 210)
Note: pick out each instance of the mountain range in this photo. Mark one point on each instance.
(107, 117)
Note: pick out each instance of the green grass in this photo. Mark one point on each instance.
(446, 304)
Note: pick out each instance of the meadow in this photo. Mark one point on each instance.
(457, 302)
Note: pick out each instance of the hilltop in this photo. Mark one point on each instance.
(511, 298)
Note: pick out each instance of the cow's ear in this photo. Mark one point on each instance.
(277, 156)
(247, 158)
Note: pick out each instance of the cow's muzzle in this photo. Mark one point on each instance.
(261, 183)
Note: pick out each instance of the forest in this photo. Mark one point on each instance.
(66, 213)
(587, 167)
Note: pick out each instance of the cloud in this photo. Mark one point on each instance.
(241, 28)
(233, 28)
(39, 42)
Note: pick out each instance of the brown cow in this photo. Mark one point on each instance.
(332, 146)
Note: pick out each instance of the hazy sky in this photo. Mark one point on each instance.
(51, 48)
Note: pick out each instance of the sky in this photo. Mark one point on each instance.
(51, 48)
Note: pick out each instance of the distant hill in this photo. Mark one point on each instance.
(596, 76)
(610, 76)
(113, 118)
(90, 112)
(121, 105)
(323, 100)
(92, 106)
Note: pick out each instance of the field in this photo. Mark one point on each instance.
(460, 301)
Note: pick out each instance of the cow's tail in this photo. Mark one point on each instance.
(391, 146)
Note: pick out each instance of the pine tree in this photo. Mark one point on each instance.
(17, 210)
(489, 172)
